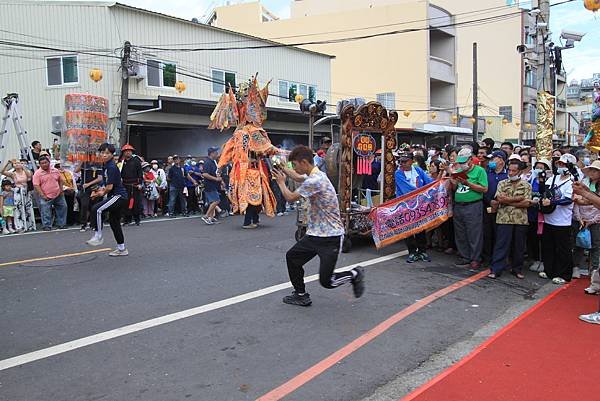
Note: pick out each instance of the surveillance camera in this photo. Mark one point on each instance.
(542, 25)
(534, 12)
(526, 61)
(525, 48)
(575, 36)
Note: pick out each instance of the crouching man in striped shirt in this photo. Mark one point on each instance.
(114, 204)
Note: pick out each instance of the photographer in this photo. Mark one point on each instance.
(557, 207)
(539, 175)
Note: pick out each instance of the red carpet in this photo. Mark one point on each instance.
(546, 354)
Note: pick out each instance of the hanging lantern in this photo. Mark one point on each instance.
(504, 121)
(433, 115)
(489, 122)
(472, 120)
(179, 86)
(95, 74)
(517, 124)
(592, 5)
(299, 98)
(454, 118)
(406, 113)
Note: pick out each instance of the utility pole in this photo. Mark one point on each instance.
(475, 99)
(123, 130)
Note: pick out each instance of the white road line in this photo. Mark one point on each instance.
(144, 222)
(158, 321)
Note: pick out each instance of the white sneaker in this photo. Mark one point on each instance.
(592, 290)
(117, 252)
(95, 241)
(541, 267)
(576, 273)
(543, 275)
(593, 318)
(279, 214)
(535, 266)
(12, 230)
(558, 280)
(5, 231)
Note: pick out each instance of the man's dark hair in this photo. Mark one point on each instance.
(300, 153)
(509, 144)
(489, 142)
(42, 158)
(105, 146)
(35, 143)
(475, 147)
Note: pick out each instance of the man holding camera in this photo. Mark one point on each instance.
(557, 207)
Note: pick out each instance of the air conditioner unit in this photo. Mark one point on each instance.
(138, 70)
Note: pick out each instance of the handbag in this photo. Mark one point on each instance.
(584, 239)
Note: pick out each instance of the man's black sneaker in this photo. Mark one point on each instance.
(358, 282)
(462, 263)
(295, 299)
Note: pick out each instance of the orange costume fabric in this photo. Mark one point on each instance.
(249, 178)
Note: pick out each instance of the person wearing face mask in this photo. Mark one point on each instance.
(588, 216)
(191, 182)
(160, 180)
(514, 197)
(496, 173)
(468, 209)
(557, 204)
(542, 169)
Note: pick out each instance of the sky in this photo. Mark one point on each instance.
(580, 62)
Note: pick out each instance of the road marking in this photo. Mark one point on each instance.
(144, 222)
(158, 321)
(418, 391)
(315, 370)
(67, 255)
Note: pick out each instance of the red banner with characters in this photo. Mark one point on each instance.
(421, 210)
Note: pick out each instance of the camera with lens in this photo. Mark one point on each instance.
(573, 170)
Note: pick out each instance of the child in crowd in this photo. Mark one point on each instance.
(7, 207)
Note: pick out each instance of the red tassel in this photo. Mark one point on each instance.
(131, 203)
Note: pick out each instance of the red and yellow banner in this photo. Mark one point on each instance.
(423, 209)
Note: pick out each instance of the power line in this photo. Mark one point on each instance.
(476, 22)
(342, 30)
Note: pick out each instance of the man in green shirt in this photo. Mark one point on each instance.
(468, 210)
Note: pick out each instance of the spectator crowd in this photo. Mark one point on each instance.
(512, 210)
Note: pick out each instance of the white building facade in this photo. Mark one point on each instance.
(50, 47)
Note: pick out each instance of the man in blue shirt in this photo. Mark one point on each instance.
(408, 179)
(496, 172)
(114, 204)
(212, 185)
(192, 176)
(176, 181)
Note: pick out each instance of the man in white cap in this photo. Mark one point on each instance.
(557, 247)
(468, 210)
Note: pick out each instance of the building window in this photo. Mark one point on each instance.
(222, 80)
(161, 73)
(506, 111)
(288, 91)
(531, 78)
(387, 100)
(530, 113)
(62, 70)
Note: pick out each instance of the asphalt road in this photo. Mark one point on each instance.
(239, 349)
